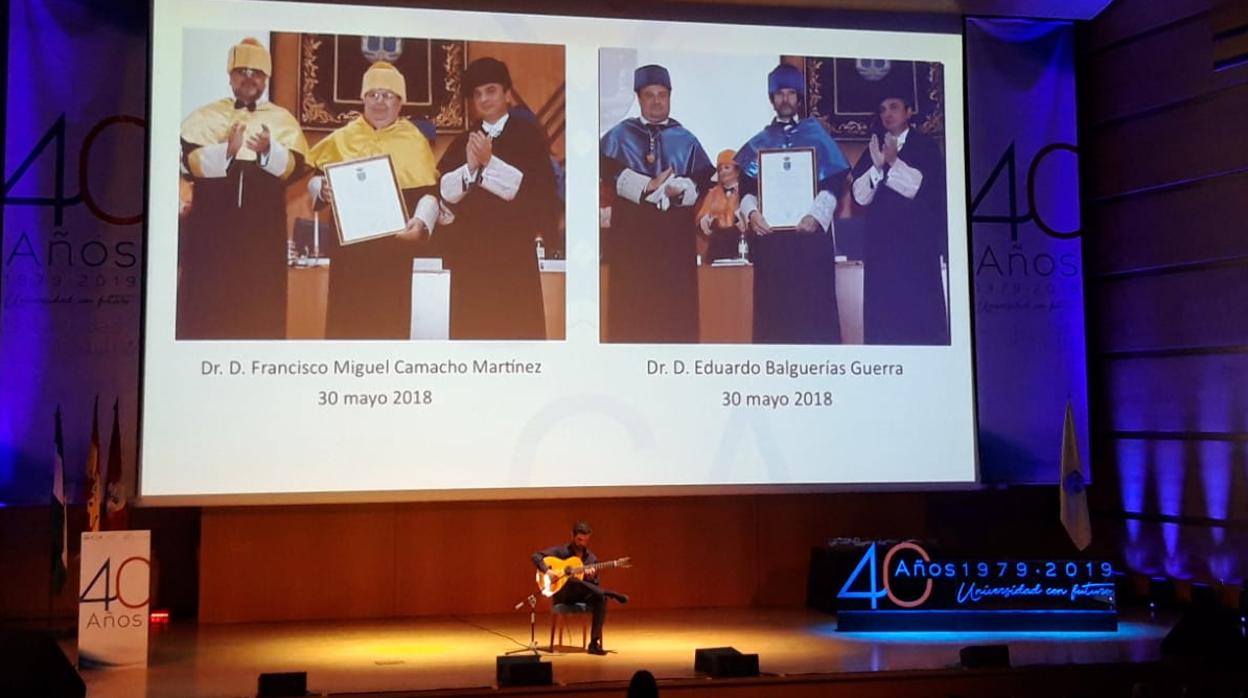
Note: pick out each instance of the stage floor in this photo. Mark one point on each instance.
(410, 654)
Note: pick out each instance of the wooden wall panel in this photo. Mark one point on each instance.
(462, 558)
(1203, 479)
(1194, 223)
(695, 552)
(1125, 20)
(1172, 374)
(1136, 75)
(1202, 393)
(284, 83)
(537, 74)
(790, 526)
(670, 559)
(1187, 551)
(26, 563)
(1196, 139)
(1186, 309)
(297, 563)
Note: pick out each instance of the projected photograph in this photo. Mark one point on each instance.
(771, 199)
(337, 186)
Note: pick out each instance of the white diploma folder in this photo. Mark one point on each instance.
(368, 203)
(786, 185)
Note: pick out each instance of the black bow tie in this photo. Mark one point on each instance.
(240, 104)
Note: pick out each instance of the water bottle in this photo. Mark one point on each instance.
(541, 249)
(743, 248)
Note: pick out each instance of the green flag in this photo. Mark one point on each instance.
(60, 537)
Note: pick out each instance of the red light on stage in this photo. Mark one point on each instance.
(159, 617)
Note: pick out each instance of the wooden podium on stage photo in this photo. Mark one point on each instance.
(308, 296)
(726, 302)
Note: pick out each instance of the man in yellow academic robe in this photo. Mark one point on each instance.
(239, 153)
(370, 282)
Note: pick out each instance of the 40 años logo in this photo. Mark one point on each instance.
(879, 578)
(106, 588)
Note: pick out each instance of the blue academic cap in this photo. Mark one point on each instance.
(786, 75)
(651, 75)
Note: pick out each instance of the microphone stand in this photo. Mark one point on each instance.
(531, 600)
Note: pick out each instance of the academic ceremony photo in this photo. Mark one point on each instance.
(696, 349)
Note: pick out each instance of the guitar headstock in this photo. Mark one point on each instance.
(624, 562)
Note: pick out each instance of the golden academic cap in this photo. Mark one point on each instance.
(249, 53)
(383, 76)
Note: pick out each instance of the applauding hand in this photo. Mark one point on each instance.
(877, 153)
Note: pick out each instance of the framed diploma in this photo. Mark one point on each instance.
(368, 203)
(787, 184)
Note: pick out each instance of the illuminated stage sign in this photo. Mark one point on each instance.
(905, 588)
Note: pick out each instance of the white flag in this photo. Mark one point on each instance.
(1073, 485)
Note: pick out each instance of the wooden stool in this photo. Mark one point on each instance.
(560, 614)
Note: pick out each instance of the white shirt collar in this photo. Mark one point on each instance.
(901, 139)
(497, 127)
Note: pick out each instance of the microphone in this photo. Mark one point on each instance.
(530, 600)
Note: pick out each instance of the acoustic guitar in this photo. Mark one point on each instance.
(560, 571)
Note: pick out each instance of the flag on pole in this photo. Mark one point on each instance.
(1074, 494)
(116, 516)
(60, 536)
(94, 487)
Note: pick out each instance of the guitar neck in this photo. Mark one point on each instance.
(598, 565)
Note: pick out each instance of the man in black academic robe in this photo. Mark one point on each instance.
(499, 185)
(239, 154)
(900, 181)
(657, 169)
(795, 269)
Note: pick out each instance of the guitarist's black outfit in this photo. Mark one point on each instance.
(587, 591)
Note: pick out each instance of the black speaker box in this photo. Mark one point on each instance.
(32, 664)
(523, 670)
(724, 661)
(287, 684)
(985, 656)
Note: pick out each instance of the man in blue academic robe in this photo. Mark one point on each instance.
(656, 169)
(794, 269)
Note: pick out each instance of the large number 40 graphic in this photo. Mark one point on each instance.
(59, 201)
(875, 592)
(112, 585)
(878, 578)
(1006, 164)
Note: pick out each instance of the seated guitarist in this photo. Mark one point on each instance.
(585, 591)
